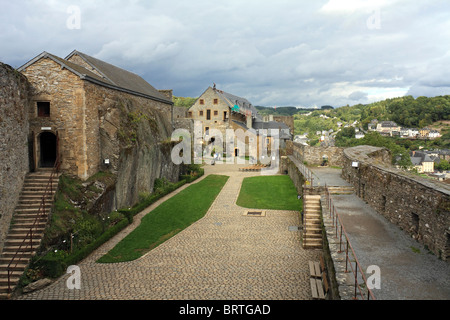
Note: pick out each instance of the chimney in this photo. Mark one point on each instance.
(167, 93)
(249, 121)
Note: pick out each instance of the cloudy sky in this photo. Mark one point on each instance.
(274, 53)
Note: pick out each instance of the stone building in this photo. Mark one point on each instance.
(218, 111)
(71, 110)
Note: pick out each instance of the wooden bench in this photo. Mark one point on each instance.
(318, 280)
(314, 269)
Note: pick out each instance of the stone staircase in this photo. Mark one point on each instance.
(26, 218)
(312, 229)
(341, 190)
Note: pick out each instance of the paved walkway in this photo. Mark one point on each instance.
(224, 255)
(408, 270)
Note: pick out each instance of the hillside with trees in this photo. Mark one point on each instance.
(185, 102)
(406, 111)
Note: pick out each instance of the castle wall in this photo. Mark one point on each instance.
(419, 207)
(315, 155)
(14, 164)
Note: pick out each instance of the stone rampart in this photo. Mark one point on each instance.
(316, 155)
(419, 206)
(14, 163)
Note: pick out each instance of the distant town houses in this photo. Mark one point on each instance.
(390, 128)
(422, 162)
(427, 162)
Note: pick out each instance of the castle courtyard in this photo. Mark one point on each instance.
(226, 255)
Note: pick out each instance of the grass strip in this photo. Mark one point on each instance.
(169, 218)
(269, 192)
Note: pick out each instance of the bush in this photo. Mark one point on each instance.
(85, 251)
(193, 172)
(52, 264)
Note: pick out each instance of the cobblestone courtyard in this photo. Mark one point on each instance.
(223, 256)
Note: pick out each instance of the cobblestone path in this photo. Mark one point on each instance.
(225, 255)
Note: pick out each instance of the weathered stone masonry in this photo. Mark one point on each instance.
(316, 155)
(14, 100)
(419, 207)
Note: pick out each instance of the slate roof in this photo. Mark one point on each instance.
(244, 105)
(112, 76)
(269, 125)
(258, 125)
(419, 157)
(388, 124)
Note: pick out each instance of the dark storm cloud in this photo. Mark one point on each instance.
(301, 53)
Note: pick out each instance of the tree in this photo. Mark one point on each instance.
(344, 136)
(443, 165)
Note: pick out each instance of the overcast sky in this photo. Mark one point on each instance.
(274, 53)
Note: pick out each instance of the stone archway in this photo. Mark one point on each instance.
(48, 149)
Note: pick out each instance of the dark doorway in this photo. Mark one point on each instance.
(47, 144)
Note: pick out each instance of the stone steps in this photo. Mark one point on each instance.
(26, 217)
(341, 189)
(312, 230)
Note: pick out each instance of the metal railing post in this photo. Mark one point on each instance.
(346, 258)
(348, 248)
(356, 277)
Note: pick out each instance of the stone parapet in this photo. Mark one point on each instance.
(419, 206)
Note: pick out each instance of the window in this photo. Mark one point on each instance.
(208, 114)
(202, 102)
(200, 113)
(43, 109)
(216, 112)
(216, 101)
(190, 114)
(225, 117)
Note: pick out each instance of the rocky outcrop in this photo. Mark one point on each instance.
(136, 141)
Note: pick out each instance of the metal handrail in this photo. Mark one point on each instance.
(29, 236)
(337, 224)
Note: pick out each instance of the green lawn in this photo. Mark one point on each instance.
(269, 192)
(169, 218)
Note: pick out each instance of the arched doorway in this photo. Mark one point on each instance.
(48, 149)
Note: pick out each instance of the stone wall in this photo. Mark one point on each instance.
(315, 155)
(14, 100)
(419, 206)
(288, 120)
(287, 166)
